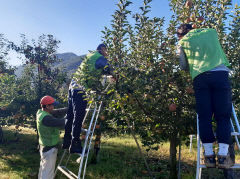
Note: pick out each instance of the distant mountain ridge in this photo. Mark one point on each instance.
(68, 61)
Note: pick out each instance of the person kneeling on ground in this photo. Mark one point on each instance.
(200, 52)
(49, 135)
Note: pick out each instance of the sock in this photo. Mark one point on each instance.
(208, 148)
(223, 149)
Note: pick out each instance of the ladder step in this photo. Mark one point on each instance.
(236, 165)
(67, 172)
(235, 133)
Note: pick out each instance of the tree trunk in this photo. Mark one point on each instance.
(173, 155)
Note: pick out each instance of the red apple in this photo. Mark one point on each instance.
(200, 19)
(188, 20)
(189, 4)
(172, 107)
(189, 90)
(102, 117)
(194, 26)
(97, 126)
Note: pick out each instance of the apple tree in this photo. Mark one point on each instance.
(151, 94)
(40, 77)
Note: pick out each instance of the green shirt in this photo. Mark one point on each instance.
(203, 51)
(48, 136)
(87, 75)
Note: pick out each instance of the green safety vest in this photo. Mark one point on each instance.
(89, 75)
(203, 51)
(48, 136)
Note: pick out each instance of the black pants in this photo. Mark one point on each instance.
(213, 99)
(75, 114)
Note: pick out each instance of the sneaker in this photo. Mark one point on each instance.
(225, 161)
(80, 156)
(76, 147)
(210, 161)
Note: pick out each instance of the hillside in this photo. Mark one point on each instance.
(68, 61)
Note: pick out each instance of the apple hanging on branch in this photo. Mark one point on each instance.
(102, 117)
(200, 19)
(172, 107)
(194, 26)
(189, 90)
(189, 4)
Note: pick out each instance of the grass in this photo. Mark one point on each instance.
(19, 159)
(118, 159)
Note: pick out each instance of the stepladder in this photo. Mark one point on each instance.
(92, 111)
(90, 120)
(235, 134)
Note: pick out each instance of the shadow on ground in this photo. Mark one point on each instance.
(118, 159)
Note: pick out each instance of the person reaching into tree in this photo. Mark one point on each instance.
(201, 53)
(93, 66)
(49, 135)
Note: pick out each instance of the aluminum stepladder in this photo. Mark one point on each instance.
(235, 133)
(83, 159)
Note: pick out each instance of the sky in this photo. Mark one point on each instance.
(76, 23)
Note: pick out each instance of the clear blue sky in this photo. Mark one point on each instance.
(76, 23)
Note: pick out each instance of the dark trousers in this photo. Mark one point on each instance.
(213, 99)
(75, 114)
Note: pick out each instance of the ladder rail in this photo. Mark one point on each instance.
(199, 144)
(88, 109)
(86, 140)
(235, 136)
(237, 124)
(67, 172)
(89, 132)
(90, 141)
(60, 162)
(235, 118)
(198, 173)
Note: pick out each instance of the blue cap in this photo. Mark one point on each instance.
(56, 103)
(100, 46)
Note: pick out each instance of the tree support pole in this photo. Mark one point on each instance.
(179, 160)
(140, 151)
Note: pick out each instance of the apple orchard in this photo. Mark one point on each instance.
(151, 95)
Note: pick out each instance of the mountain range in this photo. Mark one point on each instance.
(68, 61)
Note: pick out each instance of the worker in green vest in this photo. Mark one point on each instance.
(49, 135)
(87, 77)
(200, 52)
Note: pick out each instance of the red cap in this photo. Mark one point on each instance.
(48, 100)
